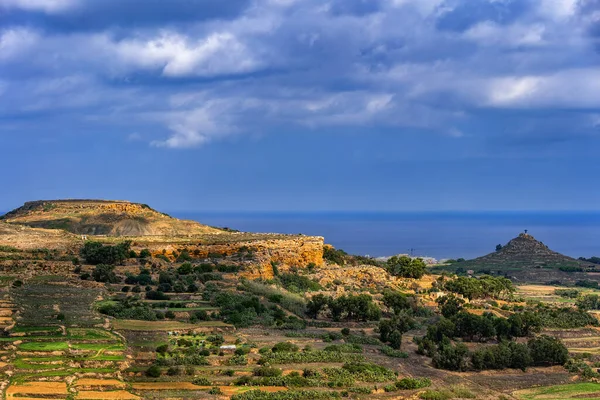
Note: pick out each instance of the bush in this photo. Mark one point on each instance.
(310, 357)
(436, 395)
(153, 371)
(173, 371)
(298, 283)
(215, 390)
(105, 273)
(285, 347)
(267, 371)
(202, 381)
(547, 350)
(413, 383)
(145, 253)
(344, 348)
(287, 395)
(185, 269)
(567, 293)
(156, 295)
(334, 256)
(406, 267)
(96, 253)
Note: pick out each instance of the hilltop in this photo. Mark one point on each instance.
(523, 258)
(103, 217)
(60, 225)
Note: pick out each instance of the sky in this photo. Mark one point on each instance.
(302, 105)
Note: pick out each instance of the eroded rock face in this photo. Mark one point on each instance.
(104, 217)
(285, 252)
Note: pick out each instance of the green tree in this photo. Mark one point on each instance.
(547, 350)
(450, 305)
(406, 267)
(97, 253)
(105, 273)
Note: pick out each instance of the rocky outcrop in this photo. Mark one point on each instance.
(103, 217)
(284, 251)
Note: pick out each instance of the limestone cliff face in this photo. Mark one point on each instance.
(284, 251)
(103, 217)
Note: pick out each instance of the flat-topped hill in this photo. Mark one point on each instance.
(103, 217)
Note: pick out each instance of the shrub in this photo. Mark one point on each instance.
(105, 273)
(344, 348)
(285, 347)
(215, 390)
(162, 349)
(96, 253)
(156, 295)
(202, 381)
(547, 350)
(413, 383)
(173, 371)
(267, 371)
(287, 395)
(436, 395)
(153, 371)
(145, 253)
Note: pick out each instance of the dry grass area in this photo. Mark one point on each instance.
(36, 388)
(165, 386)
(88, 382)
(135, 325)
(112, 395)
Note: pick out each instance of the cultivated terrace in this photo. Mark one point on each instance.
(113, 300)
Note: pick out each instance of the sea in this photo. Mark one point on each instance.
(440, 235)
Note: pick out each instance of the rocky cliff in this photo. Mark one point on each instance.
(64, 221)
(103, 217)
(266, 250)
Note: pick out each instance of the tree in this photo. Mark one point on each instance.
(391, 330)
(185, 269)
(450, 305)
(316, 304)
(547, 350)
(397, 301)
(498, 247)
(453, 358)
(406, 267)
(105, 273)
(153, 371)
(96, 253)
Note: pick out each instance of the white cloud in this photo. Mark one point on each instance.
(178, 55)
(557, 9)
(489, 33)
(577, 88)
(197, 126)
(48, 6)
(16, 41)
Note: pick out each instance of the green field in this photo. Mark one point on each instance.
(587, 390)
(44, 346)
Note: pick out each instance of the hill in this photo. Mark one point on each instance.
(526, 259)
(103, 217)
(524, 251)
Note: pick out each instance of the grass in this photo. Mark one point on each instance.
(44, 346)
(97, 346)
(591, 391)
(134, 325)
(89, 334)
